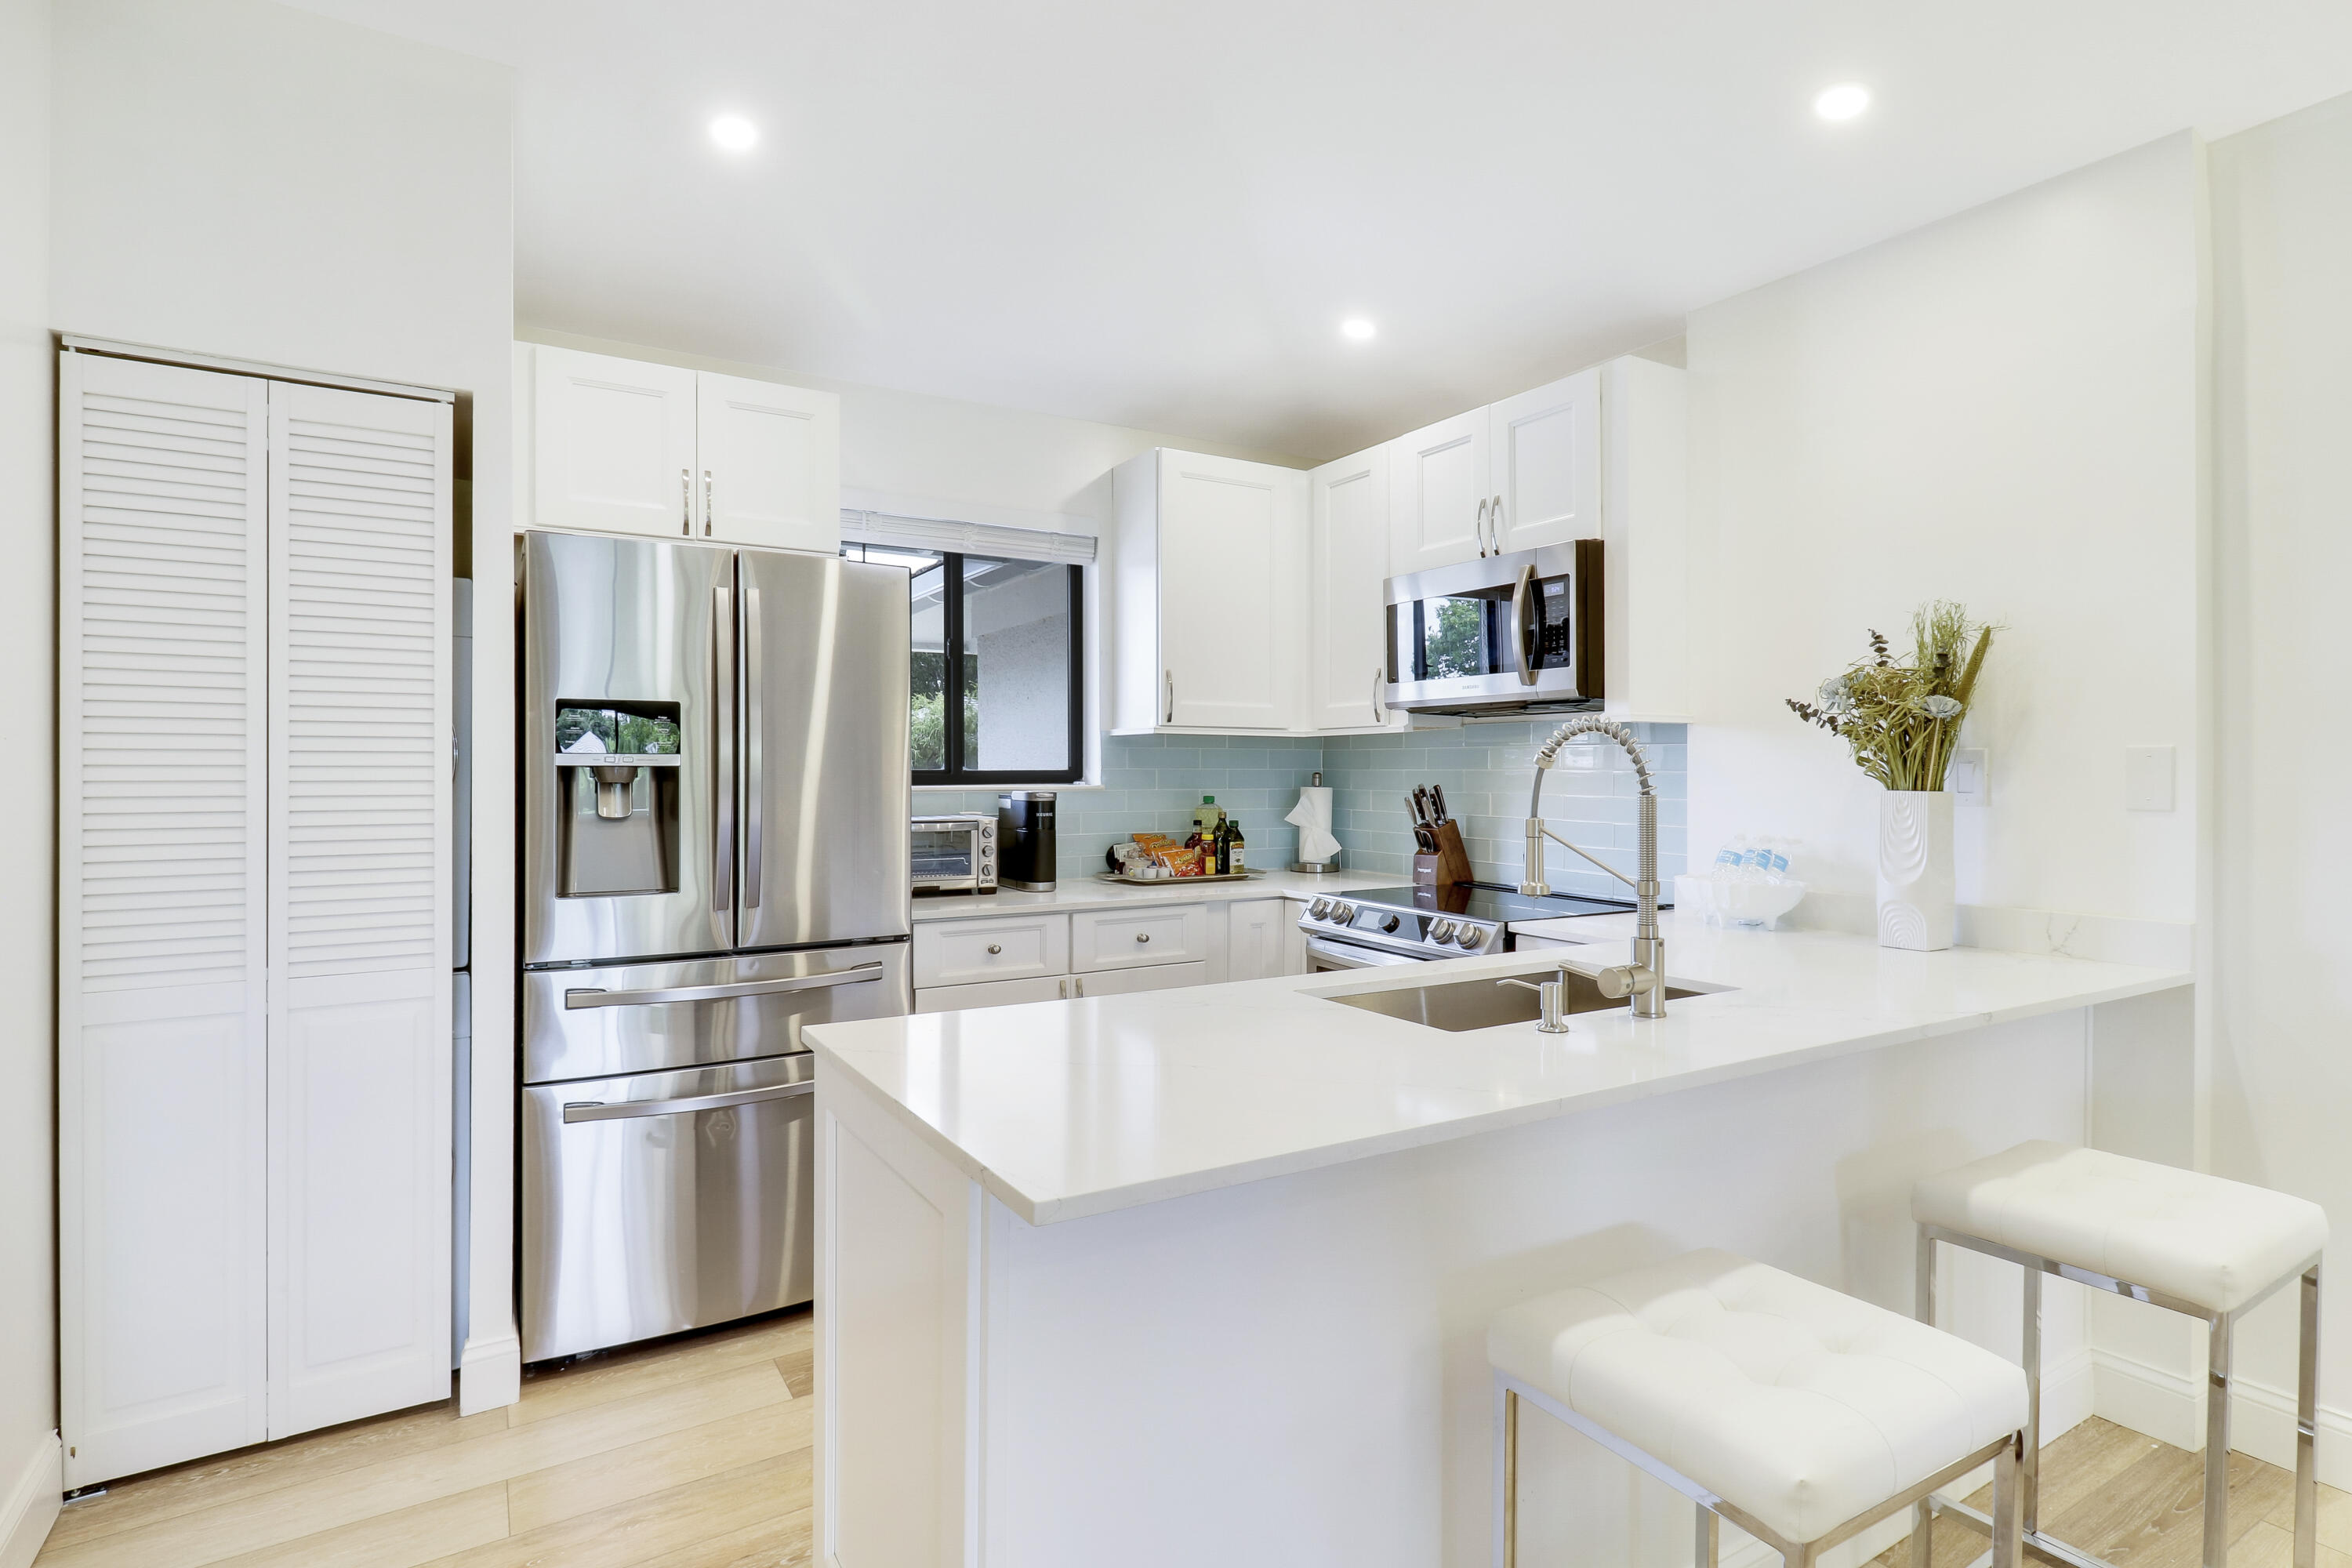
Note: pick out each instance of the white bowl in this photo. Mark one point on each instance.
(1736, 903)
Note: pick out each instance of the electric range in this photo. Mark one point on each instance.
(1419, 925)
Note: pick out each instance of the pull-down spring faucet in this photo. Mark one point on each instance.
(1645, 979)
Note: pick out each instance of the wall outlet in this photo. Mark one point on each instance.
(1969, 777)
(2147, 778)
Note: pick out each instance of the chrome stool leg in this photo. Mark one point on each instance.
(2028, 1469)
(1506, 1474)
(2306, 1411)
(1709, 1550)
(2217, 1446)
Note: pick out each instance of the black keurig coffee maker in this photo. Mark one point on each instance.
(1024, 840)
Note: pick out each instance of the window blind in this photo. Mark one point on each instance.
(967, 538)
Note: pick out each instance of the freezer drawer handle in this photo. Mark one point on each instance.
(598, 1111)
(590, 996)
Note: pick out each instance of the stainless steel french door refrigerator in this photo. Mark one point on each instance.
(716, 797)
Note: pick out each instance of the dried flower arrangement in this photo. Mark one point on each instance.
(1901, 720)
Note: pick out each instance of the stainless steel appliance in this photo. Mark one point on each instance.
(1421, 926)
(1024, 830)
(955, 853)
(715, 854)
(1519, 631)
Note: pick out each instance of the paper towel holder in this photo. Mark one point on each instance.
(1317, 867)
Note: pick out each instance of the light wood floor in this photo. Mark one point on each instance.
(691, 1454)
(2139, 1502)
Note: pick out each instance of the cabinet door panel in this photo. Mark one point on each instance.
(993, 993)
(1349, 563)
(613, 445)
(1437, 494)
(1257, 938)
(770, 464)
(1547, 462)
(162, 837)
(1228, 541)
(1122, 981)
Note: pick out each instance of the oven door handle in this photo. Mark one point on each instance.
(1523, 598)
(622, 1111)
(590, 996)
(1347, 955)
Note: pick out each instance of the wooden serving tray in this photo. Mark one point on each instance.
(1124, 881)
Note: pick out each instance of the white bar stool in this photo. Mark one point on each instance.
(2188, 1243)
(1801, 1415)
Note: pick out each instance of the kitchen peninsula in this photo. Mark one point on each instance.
(1203, 1276)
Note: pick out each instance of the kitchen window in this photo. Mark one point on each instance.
(996, 695)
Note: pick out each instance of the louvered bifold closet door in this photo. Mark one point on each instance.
(360, 926)
(163, 655)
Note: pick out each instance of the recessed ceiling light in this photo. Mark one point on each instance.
(734, 133)
(1842, 101)
(1358, 328)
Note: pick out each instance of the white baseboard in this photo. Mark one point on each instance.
(2066, 1397)
(2171, 1408)
(35, 1493)
(489, 1375)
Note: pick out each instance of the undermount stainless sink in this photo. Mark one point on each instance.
(1456, 1005)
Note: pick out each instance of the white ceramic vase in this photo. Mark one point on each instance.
(1915, 869)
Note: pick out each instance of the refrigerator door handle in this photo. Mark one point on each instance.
(754, 773)
(590, 996)
(722, 750)
(622, 1111)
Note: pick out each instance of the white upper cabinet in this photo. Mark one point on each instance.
(1438, 495)
(1543, 452)
(1347, 540)
(1210, 581)
(622, 446)
(770, 463)
(1516, 475)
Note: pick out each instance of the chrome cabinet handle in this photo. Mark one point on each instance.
(754, 747)
(709, 508)
(686, 502)
(1479, 528)
(994, 948)
(1171, 677)
(592, 996)
(1064, 989)
(722, 750)
(1078, 985)
(1379, 715)
(1142, 936)
(622, 1111)
(1523, 596)
(1494, 524)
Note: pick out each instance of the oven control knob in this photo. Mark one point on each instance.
(988, 832)
(1471, 936)
(1318, 909)
(1441, 931)
(1344, 913)
(1390, 923)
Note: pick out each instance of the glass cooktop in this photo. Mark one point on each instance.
(1490, 901)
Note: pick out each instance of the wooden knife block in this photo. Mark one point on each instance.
(1449, 867)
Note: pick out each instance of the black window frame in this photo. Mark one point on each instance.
(955, 774)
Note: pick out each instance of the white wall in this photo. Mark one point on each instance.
(2002, 408)
(233, 177)
(2282, 941)
(28, 1410)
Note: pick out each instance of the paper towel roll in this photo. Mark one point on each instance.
(1313, 817)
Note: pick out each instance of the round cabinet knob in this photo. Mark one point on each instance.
(1441, 931)
(1390, 923)
(994, 948)
(1318, 909)
(1142, 936)
(1471, 936)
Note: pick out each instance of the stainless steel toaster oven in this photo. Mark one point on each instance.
(955, 854)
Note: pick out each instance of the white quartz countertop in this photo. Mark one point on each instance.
(1065, 1110)
(1085, 890)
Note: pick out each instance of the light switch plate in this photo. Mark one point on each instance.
(2147, 778)
(1969, 777)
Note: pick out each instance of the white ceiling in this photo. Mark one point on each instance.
(1157, 213)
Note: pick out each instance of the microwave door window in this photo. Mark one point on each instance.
(1456, 636)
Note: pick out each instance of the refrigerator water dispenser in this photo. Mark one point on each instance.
(618, 764)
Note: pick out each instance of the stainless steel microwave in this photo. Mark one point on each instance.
(1516, 631)
(955, 854)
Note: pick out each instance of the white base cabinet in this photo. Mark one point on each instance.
(622, 446)
(1005, 961)
(254, 909)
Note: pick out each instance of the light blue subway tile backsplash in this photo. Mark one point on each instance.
(1152, 782)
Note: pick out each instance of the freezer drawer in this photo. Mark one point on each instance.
(663, 1202)
(645, 1017)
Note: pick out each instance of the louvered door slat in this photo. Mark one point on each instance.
(161, 1082)
(360, 772)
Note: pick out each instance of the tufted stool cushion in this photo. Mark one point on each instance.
(2212, 1242)
(1801, 1406)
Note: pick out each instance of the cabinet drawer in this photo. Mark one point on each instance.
(1139, 939)
(959, 952)
(1120, 982)
(993, 993)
